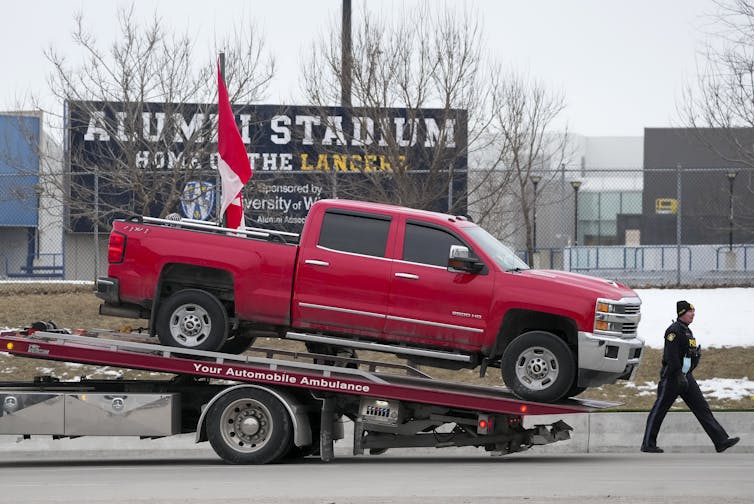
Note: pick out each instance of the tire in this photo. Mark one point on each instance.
(574, 390)
(237, 345)
(299, 452)
(192, 319)
(249, 426)
(538, 366)
(338, 351)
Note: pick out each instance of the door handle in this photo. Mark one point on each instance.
(410, 276)
(315, 262)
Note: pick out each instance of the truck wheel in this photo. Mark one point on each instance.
(299, 452)
(249, 426)
(538, 366)
(338, 351)
(237, 345)
(193, 319)
(575, 390)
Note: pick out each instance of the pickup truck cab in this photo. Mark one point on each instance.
(433, 288)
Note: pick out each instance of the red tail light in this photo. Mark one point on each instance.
(116, 248)
(484, 423)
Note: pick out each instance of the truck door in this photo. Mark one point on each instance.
(430, 304)
(342, 283)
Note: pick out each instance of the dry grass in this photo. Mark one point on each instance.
(77, 307)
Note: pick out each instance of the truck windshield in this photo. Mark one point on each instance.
(503, 256)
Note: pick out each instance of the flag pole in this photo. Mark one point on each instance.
(223, 219)
(233, 160)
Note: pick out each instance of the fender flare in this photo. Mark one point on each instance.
(302, 430)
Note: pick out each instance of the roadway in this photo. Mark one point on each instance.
(448, 476)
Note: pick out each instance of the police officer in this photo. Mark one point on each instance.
(679, 358)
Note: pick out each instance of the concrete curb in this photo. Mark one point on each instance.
(622, 432)
(592, 433)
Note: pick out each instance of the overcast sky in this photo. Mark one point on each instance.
(621, 65)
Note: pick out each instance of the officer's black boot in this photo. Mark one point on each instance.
(727, 444)
(652, 449)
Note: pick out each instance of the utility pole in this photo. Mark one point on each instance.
(346, 58)
(346, 62)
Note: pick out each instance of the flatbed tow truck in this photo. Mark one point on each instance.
(266, 405)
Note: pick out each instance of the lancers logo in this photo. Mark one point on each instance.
(198, 199)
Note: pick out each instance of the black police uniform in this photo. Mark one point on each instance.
(680, 343)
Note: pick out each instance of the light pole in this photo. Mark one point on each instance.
(534, 180)
(731, 179)
(575, 184)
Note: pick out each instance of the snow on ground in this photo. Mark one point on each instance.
(723, 316)
(733, 389)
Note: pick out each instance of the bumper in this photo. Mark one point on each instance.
(604, 359)
(107, 290)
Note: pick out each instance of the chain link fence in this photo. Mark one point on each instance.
(647, 228)
(671, 226)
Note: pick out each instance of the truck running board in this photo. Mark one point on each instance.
(379, 347)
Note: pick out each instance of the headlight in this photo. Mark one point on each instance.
(617, 318)
(603, 307)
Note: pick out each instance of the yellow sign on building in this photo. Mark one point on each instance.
(666, 206)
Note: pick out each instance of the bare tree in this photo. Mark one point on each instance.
(719, 109)
(424, 59)
(431, 58)
(721, 96)
(160, 135)
(524, 111)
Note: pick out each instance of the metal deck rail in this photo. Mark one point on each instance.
(289, 370)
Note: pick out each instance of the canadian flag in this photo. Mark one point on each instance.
(233, 164)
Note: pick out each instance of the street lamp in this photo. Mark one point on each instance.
(575, 184)
(534, 180)
(731, 178)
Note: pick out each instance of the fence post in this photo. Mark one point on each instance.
(96, 222)
(678, 224)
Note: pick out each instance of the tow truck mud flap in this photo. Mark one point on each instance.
(559, 431)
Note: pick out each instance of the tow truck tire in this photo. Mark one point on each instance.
(193, 319)
(538, 366)
(249, 426)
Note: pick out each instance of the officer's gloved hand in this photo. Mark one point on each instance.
(681, 382)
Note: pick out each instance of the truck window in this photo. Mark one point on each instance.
(359, 234)
(427, 245)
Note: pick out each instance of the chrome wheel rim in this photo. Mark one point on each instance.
(537, 368)
(246, 425)
(190, 325)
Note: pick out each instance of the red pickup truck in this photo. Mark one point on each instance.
(433, 288)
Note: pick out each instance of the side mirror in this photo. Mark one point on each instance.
(459, 260)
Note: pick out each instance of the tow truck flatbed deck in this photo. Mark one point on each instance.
(283, 368)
